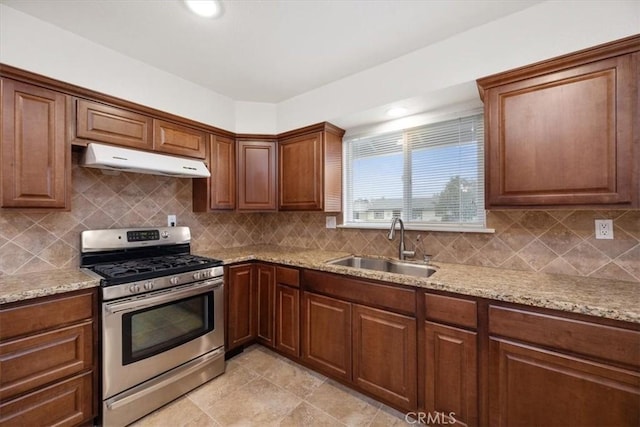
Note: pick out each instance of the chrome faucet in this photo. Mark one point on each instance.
(402, 253)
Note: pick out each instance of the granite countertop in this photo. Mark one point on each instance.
(613, 299)
(33, 285)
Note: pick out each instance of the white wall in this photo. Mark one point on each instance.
(438, 71)
(256, 118)
(31, 44)
(543, 31)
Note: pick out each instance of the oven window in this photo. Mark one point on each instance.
(156, 329)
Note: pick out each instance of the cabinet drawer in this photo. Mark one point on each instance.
(591, 339)
(288, 276)
(67, 403)
(452, 310)
(363, 292)
(37, 360)
(43, 315)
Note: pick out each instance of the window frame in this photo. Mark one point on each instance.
(408, 212)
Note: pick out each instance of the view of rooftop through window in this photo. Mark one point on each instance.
(430, 175)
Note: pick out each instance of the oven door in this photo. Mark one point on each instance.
(146, 335)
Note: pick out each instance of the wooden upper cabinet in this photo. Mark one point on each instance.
(310, 169)
(219, 191)
(223, 170)
(173, 138)
(36, 157)
(561, 132)
(256, 175)
(104, 123)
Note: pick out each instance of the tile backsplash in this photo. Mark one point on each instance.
(554, 241)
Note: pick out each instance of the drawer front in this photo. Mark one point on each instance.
(288, 276)
(452, 310)
(27, 363)
(363, 292)
(605, 342)
(42, 315)
(68, 403)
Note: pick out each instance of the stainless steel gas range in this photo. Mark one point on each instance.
(162, 317)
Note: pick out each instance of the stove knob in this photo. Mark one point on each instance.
(134, 289)
(174, 280)
(196, 276)
(164, 234)
(148, 286)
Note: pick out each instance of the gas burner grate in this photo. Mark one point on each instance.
(166, 263)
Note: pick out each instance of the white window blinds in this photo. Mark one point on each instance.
(431, 176)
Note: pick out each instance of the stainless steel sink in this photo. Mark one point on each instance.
(385, 265)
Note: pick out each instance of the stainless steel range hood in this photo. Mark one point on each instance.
(126, 160)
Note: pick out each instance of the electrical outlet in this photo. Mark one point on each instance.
(604, 229)
(331, 222)
(171, 221)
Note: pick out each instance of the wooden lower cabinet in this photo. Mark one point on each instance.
(531, 386)
(287, 332)
(265, 283)
(242, 320)
(451, 373)
(373, 349)
(48, 372)
(326, 335)
(384, 355)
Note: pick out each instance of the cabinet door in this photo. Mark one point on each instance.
(35, 168)
(531, 386)
(385, 354)
(223, 173)
(266, 282)
(242, 322)
(563, 138)
(256, 175)
(327, 335)
(287, 333)
(217, 192)
(99, 122)
(300, 173)
(451, 371)
(173, 138)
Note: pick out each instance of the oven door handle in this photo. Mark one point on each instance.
(163, 297)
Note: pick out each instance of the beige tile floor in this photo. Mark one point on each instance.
(262, 388)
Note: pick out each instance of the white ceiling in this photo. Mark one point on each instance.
(267, 50)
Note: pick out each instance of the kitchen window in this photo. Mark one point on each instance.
(432, 176)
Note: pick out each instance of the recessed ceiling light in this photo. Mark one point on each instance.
(396, 111)
(205, 8)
